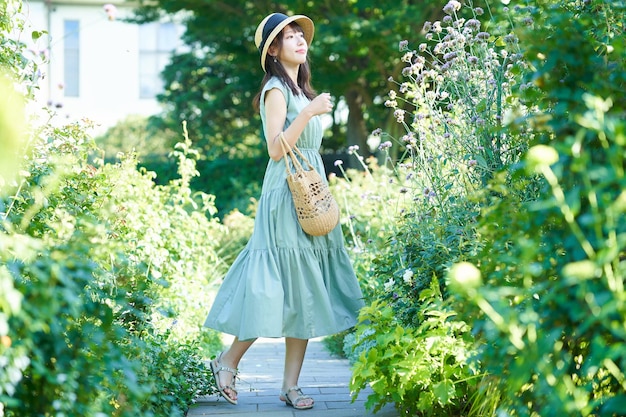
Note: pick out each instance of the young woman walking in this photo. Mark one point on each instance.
(285, 283)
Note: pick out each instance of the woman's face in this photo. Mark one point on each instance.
(293, 49)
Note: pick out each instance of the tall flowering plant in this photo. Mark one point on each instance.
(454, 100)
(454, 96)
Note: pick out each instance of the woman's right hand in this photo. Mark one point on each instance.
(276, 113)
(321, 104)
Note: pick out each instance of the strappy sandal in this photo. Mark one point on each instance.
(301, 397)
(216, 368)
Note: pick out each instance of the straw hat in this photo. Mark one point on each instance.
(273, 24)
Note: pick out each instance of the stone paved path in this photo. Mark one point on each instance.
(323, 377)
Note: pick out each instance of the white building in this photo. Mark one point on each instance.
(99, 67)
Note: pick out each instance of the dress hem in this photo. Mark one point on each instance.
(273, 336)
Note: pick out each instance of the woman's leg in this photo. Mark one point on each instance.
(230, 359)
(294, 356)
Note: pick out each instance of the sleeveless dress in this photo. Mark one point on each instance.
(286, 283)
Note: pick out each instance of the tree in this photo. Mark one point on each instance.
(213, 84)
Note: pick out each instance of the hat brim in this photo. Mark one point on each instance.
(304, 22)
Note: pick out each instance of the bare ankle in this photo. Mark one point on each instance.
(226, 360)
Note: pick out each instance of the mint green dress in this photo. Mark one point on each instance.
(286, 283)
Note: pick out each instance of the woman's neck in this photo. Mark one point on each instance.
(292, 72)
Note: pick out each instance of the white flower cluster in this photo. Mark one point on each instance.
(457, 83)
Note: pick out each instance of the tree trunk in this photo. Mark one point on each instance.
(356, 131)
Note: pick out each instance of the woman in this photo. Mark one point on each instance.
(285, 283)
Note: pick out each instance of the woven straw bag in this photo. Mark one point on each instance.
(317, 210)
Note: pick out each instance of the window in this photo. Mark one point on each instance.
(157, 41)
(71, 51)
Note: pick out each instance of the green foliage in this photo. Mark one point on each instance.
(17, 80)
(589, 57)
(457, 90)
(551, 309)
(176, 374)
(64, 324)
(238, 231)
(135, 134)
(424, 369)
(425, 247)
(353, 347)
(167, 228)
(53, 245)
(372, 199)
(21, 64)
(394, 349)
(97, 264)
(235, 182)
(104, 275)
(231, 181)
(335, 343)
(102, 262)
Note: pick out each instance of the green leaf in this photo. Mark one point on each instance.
(36, 34)
(444, 391)
(615, 405)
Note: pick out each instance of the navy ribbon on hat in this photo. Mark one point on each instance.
(270, 25)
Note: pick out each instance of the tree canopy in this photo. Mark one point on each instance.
(354, 52)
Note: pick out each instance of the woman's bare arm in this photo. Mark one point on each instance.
(276, 114)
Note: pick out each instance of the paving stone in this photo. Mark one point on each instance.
(323, 377)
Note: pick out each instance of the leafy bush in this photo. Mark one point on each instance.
(371, 200)
(176, 373)
(104, 261)
(64, 328)
(551, 308)
(455, 94)
(231, 181)
(235, 182)
(458, 89)
(136, 135)
(549, 321)
(425, 369)
(167, 227)
(18, 63)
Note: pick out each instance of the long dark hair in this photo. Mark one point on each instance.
(276, 69)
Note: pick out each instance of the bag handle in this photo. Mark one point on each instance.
(288, 151)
